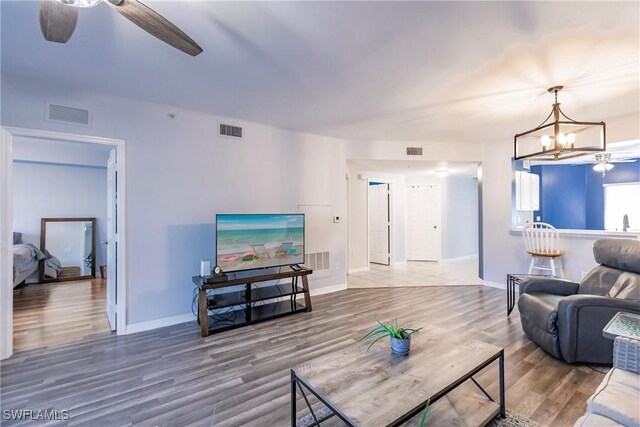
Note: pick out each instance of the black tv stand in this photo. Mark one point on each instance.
(274, 300)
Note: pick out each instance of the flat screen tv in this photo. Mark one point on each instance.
(253, 241)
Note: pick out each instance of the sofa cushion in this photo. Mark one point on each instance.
(540, 309)
(599, 280)
(626, 287)
(621, 254)
(617, 397)
(594, 420)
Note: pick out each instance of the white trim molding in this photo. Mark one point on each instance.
(327, 290)
(6, 240)
(357, 270)
(160, 323)
(497, 285)
(6, 225)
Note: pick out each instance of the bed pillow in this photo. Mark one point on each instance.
(17, 238)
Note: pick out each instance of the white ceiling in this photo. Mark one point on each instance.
(413, 168)
(445, 71)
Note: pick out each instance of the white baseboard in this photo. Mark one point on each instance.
(328, 289)
(159, 323)
(400, 262)
(357, 270)
(494, 284)
(460, 258)
(325, 290)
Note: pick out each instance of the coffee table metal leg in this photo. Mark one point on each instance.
(502, 402)
(293, 399)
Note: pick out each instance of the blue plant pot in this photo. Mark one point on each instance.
(401, 347)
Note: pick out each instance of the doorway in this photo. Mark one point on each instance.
(114, 303)
(380, 223)
(424, 235)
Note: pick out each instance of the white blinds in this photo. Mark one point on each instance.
(621, 200)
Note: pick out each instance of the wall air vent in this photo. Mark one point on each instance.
(66, 114)
(317, 261)
(414, 151)
(230, 131)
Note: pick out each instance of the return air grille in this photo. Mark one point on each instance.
(414, 151)
(317, 261)
(230, 130)
(65, 114)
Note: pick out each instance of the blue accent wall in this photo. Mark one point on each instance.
(573, 196)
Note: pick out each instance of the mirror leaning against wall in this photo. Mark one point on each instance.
(592, 192)
(69, 245)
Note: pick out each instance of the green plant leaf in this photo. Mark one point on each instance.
(425, 414)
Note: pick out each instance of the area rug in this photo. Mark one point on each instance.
(512, 419)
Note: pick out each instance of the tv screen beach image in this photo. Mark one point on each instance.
(245, 242)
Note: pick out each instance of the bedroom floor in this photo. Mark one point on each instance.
(51, 314)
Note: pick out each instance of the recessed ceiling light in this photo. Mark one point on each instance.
(442, 173)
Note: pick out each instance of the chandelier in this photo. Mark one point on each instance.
(558, 137)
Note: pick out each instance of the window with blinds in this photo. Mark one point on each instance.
(621, 200)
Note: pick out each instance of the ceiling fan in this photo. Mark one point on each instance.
(604, 163)
(58, 20)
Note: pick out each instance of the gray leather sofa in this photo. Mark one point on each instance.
(566, 318)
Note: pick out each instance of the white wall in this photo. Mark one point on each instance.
(461, 238)
(180, 174)
(42, 190)
(60, 152)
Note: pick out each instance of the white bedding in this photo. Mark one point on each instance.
(26, 275)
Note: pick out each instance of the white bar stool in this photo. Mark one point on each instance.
(542, 242)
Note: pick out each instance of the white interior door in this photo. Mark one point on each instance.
(112, 238)
(379, 224)
(424, 239)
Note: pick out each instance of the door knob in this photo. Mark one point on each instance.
(105, 242)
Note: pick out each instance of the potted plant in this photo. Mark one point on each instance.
(400, 337)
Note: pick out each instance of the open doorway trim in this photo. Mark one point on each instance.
(6, 225)
(392, 219)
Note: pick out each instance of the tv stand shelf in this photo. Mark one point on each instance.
(256, 304)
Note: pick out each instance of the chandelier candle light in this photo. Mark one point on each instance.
(558, 137)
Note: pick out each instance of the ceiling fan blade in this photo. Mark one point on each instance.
(156, 25)
(624, 161)
(57, 21)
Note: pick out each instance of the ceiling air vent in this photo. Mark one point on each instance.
(414, 151)
(65, 114)
(231, 131)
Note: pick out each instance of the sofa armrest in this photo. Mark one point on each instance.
(548, 285)
(581, 319)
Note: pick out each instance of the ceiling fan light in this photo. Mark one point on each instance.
(81, 3)
(599, 167)
(609, 166)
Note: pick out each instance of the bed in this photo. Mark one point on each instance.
(26, 261)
